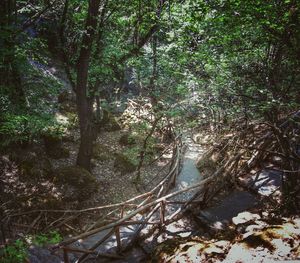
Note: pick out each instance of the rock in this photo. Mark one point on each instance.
(245, 217)
(55, 148)
(101, 153)
(230, 206)
(112, 125)
(66, 102)
(32, 165)
(124, 164)
(127, 139)
(42, 255)
(65, 96)
(75, 183)
(68, 137)
(67, 106)
(109, 122)
(206, 165)
(270, 244)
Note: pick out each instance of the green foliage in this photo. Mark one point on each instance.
(24, 128)
(53, 237)
(132, 154)
(17, 252)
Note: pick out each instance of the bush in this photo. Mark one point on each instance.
(126, 162)
(24, 128)
(18, 251)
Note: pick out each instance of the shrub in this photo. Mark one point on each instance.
(24, 128)
(17, 252)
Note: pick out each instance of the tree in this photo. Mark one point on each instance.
(101, 56)
(84, 101)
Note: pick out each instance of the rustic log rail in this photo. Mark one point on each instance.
(155, 203)
(150, 202)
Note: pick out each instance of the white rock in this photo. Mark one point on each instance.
(244, 217)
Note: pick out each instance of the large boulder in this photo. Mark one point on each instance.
(54, 147)
(75, 183)
(64, 96)
(101, 152)
(109, 122)
(112, 125)
(33, 165)
(42, 255)
(66, 102)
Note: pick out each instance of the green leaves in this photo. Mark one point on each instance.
(19, 128)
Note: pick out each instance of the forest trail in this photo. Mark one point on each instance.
(189, 174)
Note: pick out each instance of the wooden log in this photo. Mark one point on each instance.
(66, 256)
(86, 251)
(162, 212)
(139, 210)
(125, 203)
(118, 238)
(97, 244)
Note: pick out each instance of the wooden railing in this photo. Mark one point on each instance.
(150, 203)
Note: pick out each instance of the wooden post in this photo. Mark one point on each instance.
(162, 212)
(122, 212)
(66, 257)
(118, 238)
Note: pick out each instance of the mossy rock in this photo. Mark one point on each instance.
(127, 139)
(33, 166)
(73, 120)
(124, 164)
(76, 183)
(112, 125)
(206, 165)
(58, 152)
(54, 147)
(68, 137)
(101, 153)
(67, 107)
(64, 96)
(66, 102)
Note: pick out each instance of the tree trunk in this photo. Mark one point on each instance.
(83, 100)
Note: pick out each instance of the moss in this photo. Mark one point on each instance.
(58, 152)
(261, 240)
(64, 96)
(206, 165)
(75, 182)
(73, 121)
(101, 153)
(54, 147)
(112, 125)
(124, 164)
(33, 166)
(109, 122)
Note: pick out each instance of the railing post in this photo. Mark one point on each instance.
(118, 238)
(66, 257)
(162, 212)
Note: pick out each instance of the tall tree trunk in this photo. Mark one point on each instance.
(83, 100)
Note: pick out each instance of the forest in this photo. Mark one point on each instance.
(149, 131)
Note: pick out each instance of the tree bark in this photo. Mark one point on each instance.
(83, 100)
